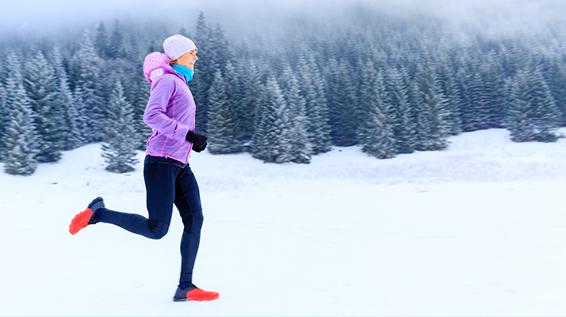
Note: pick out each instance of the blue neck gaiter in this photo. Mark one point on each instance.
(183, 71)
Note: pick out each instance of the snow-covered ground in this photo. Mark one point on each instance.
(478, 229)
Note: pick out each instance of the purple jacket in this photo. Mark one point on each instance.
(170, 110)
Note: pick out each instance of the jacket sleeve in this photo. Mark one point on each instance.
(155, 112)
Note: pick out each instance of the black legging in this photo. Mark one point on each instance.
(167, 181)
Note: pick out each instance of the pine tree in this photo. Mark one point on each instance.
(89, 80)
(282, 147)
(434, 117)
(204, 71)
(508, 101)
(222, 137)
(479, 106)
(307, 74)
(449, 89)
(3, 68)
(81, 120)
(546, 114)
(63, 99)
(557, 78)
(41, 87)
(20, 135)
(308, 93)
(520, 111)
(493, 84)
(142, 130)
(234, 90)
(378, 139)
(367, 100)
(422, 130)
(405, 139)
(116, 43)
(4, 115)
(413, 100)
(271, 137)
(467, 109)
(318, 126)
(264, 117)
(73, 116)
(249, 103)
(119, 149)
(216, 57)
(13, 78)
(532, 113)
(398, 111)
(101, 41)
(301, 148)
(220, 51)
(341, 102)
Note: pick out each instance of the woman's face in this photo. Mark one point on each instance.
(188, 59)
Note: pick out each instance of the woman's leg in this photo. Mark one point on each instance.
(160, 194)
(187, 200)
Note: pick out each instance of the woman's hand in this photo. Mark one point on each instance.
(197, 139)
(199, 148)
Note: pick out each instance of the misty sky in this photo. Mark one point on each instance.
(493, 16)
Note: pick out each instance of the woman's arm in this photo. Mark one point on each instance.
(155, 116)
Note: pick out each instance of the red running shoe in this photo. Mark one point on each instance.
(82, 219)
(194, 293)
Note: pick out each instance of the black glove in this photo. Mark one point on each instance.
(199, 148)
(197, 139)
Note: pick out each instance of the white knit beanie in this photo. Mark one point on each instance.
(177, 45)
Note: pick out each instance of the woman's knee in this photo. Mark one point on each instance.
(193, 222)
(159, 230)
(198, 219)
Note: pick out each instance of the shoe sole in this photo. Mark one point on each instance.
(193, 300)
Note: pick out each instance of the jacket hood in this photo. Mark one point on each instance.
(155, 65)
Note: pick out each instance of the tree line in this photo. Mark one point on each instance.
(387, 86)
